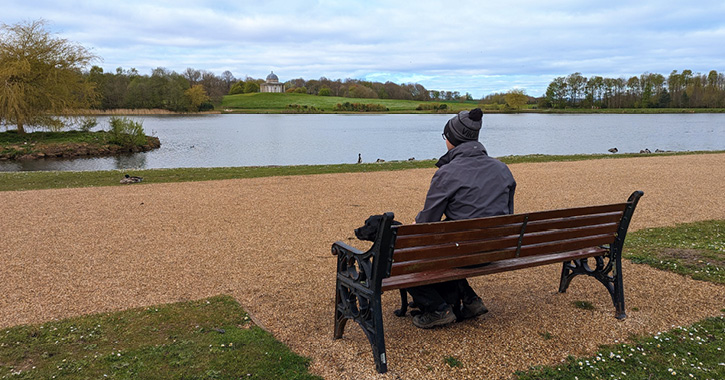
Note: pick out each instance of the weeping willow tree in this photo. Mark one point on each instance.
(41, 83)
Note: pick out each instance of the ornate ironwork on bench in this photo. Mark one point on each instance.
(418, 254)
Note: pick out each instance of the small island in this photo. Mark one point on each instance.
(70, 144)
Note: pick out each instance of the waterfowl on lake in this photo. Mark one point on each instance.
(359, 158)
(613, 150)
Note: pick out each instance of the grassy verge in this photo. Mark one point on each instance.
(694, 352)
(11, 181)
(50, 180)
(207, 339)
(694, 249)
(13, 137)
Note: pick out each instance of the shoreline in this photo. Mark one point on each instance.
(262, 111)
(36, 180)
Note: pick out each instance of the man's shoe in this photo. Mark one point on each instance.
(436, 318)
(473, 309)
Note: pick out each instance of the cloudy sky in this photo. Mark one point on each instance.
(478, 47)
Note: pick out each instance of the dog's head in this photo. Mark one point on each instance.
(369, 231)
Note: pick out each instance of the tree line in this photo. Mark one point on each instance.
(166, 89)
(191, 91)
(678, 90)
(357, 88)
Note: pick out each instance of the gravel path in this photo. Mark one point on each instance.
(266, 241)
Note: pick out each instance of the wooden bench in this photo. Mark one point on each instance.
(410, 255)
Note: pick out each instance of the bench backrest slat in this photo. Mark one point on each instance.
(410, 241)
(573, 222)
(405, 245)
(455, 261)
(576, 211)
(501, 220)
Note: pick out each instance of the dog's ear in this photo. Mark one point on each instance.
(369, 231)
(373, 220)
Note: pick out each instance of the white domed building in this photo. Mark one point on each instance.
(272, 84)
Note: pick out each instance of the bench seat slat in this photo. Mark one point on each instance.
(431, 277)
(536, 248)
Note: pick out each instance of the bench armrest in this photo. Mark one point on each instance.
(339, 247)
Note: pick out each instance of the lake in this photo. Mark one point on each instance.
(256, 140)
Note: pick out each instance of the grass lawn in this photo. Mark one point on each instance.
(695, 249)
(10, 181)
(691, 352)
(13, 137)
(206, 339)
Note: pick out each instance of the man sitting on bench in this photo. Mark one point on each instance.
(468, 184)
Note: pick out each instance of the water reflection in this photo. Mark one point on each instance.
(130, 161)
(250, 140)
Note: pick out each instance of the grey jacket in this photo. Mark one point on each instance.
(468, 184)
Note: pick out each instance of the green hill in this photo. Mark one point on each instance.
(269, 102)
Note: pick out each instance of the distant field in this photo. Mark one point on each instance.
(260, 102)
(276, 103)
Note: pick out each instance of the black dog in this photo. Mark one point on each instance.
(369, 231)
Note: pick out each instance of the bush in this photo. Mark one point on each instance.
(250, 87)
(206, 106)
(237, 88)
(296, 108)
(126, 132)
(88, 123)
(432, 106)
(325, 91)
(359, 107)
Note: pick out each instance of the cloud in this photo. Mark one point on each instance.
(467, 46)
